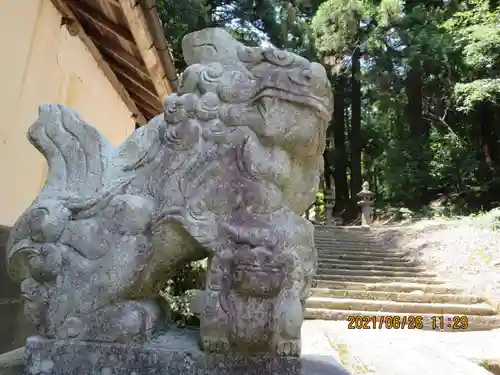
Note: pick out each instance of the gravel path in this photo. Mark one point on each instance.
(464, 251)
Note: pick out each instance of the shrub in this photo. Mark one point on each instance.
(180, 289)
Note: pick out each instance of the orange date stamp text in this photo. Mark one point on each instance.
(385, 322)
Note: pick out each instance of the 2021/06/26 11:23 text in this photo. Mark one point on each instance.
(438, 322)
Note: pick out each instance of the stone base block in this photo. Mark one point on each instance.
(173, 353)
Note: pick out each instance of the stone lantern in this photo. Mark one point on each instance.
(329, 202)
(366, 204)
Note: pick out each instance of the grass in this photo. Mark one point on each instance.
(492, 366)
(351, 363)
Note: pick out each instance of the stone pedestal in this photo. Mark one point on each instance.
(174, 353)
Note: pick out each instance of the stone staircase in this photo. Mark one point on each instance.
(357, 277)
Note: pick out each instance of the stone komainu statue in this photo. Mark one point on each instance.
(224, 172)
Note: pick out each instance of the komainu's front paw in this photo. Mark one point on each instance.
(288, 348)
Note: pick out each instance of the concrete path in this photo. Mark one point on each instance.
(401, 352)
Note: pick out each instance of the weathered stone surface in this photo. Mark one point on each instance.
(173, 353)
(9, 290)
(14, 327)
(12, 362)
(224, 172)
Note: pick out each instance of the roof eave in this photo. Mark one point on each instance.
(145, 26)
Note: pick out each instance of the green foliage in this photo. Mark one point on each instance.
(430, 87)
(482, 46)
(179, 291)
(390, 12)
(336, 25)
(179, 18)
(468, 95)
(458, 47)
(476, 31)
(496, 224)
(319, 204)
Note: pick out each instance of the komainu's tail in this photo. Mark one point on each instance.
(74, 150)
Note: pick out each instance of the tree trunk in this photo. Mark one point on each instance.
(419, 127)
(327, 157)
(419, 133)
(264, 12)
(340, 154)
(355, 136)
(489, 135)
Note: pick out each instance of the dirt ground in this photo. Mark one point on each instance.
(464, 251)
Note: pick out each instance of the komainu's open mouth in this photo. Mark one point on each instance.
(263, 105)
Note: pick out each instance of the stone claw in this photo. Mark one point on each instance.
(288, 348)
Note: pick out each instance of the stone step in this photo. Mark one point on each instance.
(330, 234)
(387, 286)
(347, 238)
(358, 236)
(361, 252)
(475, 323)
(350, 239)
(362, 257)
(333, 236)
(366, 259)
(332, 264)
(329, 227)
(414, 296)
(326, 260)
(359, 244)
(372, 272)
(352, 243)
(359, 239)
(376, 279)
(481, 309)
(356, 246)
(344, 229)
(357, 249)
